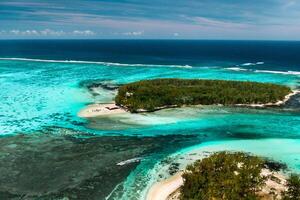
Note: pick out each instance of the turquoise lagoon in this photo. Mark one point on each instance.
(44, 96)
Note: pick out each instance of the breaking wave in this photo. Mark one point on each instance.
(236, 69)
(252, 64)
(95, 62)
(263, 71)
(278, 72)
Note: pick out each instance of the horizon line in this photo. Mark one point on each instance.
(149, 39)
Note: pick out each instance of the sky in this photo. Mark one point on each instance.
(150, 19)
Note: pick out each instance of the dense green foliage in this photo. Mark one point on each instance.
(293, 192)
(151, 95)
(224, 176)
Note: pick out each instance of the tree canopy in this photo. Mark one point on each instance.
(234, 176)
(151, 95)
(223, 175)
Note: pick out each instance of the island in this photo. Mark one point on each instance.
(156, 94)
(229, 175)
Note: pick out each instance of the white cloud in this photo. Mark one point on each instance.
(84, 33)
(208, 22)
(134, 33)
(175, 34)
(15, 32)
(47, 32)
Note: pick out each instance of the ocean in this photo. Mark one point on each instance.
(45, 83)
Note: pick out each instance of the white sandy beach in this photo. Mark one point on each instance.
(162, 190)
(287, 97)
(97, 110)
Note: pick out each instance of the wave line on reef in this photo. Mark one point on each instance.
(95, 62)
(263, 71)
(278, 72)
(252, 64)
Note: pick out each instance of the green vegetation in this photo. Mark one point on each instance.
(293, 192)
(233, 176)
(225, 176)
(151, 95)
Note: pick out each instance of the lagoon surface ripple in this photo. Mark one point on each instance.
(43, 88)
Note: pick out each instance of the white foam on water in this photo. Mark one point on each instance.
(236, 69)
(278, 72)
(95, 62)
(264, 71)
(248, 64)
(252, 64)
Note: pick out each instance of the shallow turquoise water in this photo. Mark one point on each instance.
(36, 95)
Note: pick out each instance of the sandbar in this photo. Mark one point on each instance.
(97, 110)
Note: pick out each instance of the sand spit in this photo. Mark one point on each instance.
(97, 110)
(162, 190)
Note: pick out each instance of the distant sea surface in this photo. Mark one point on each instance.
(281, 55)
(45, 83)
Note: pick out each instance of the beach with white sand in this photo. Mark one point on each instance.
(98, 110)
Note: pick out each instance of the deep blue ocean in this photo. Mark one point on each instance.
(280, 55)
(45, 83)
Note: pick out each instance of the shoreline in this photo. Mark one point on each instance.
(106, 109)
(162, 190)
(98, 110)
(278, 103)
(169, 189)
